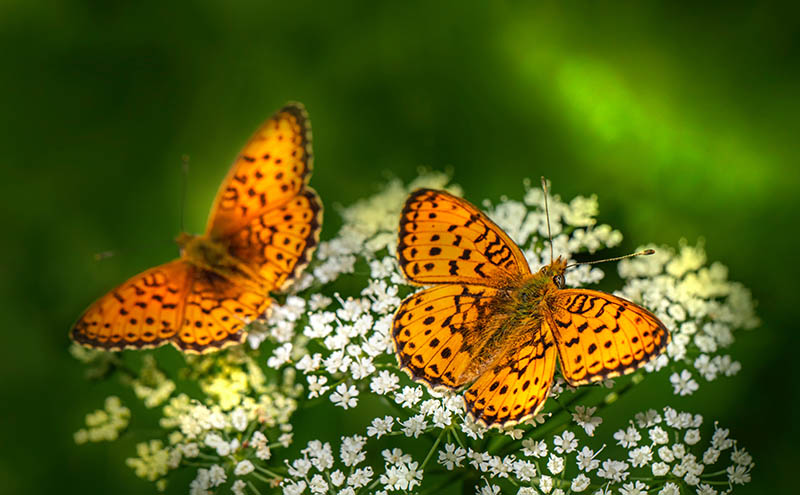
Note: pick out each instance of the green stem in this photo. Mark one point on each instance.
(433, 449)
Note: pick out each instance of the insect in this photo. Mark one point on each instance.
(263, 228)
(490, 322)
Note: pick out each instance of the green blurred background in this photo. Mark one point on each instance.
(684, 121)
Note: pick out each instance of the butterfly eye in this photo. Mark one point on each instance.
(559, 280)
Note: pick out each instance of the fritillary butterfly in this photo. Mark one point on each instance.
(262, 230)
(487, 320)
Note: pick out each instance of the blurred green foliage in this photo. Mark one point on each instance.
(683, 119)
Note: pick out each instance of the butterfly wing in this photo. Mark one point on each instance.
(444, 239)
(278, 243)
(143, 312)
(265, 213)
(216, 311)
(274, 166)
(601, 336)
(517, 385)
(436, 333)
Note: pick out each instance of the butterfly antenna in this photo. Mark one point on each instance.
(184, 186)
(646, 252)
(547, 214)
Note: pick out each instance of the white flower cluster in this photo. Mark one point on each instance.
(700, 306)
(334, 348)
(104, 424)
(663, 449)
(315, 469)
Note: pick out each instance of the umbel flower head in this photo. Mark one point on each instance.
(327, 345)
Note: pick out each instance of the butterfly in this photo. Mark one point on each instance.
(490, 322)
(263, 228)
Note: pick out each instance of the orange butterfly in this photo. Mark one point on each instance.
(263, 228)
(489, 321)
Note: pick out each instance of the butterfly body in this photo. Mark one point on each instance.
(490, 325)
(213, 257)
(263, 228)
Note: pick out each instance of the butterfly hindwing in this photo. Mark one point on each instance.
(279, 242)
(444, 239)
(516, 386)
(143, 312)
(436, 330)
(602, 336)
(216, 311)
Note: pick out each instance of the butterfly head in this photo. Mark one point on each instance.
(555, 271)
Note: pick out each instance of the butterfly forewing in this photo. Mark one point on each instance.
(444, 239)
(273, 168)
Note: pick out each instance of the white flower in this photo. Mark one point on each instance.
(683, 384)
(316, 385)
(351, 451)
(238, 487)
(660, 468)
(360, 477)
(580, 483)
(583, 416)
(344, 396)
(647, 419)
(545, 483)
(640, 456)
(666, 455)
(500, 467)
(524, 470)
(741, 457)
(586, 461)
(720, 439)
(565, 443)
(705, 489)
(658, 435)
(239, 419)
(738, 474)
(216, 475)
(409, 396)
(706, 367)
(380, 427)
(670, 488)
(479, 460)
(451, 456)
(409, 476)
(280, 356)
(318, 484)
(337, 478)
(384, 383)
(534, 448)
(692, 436)
(635, 488)
(627, 438)
(395, 456)
(414, 426)
(613, 470)
(555, 464)
(489, 489)
(243, 467)
(710, 456)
